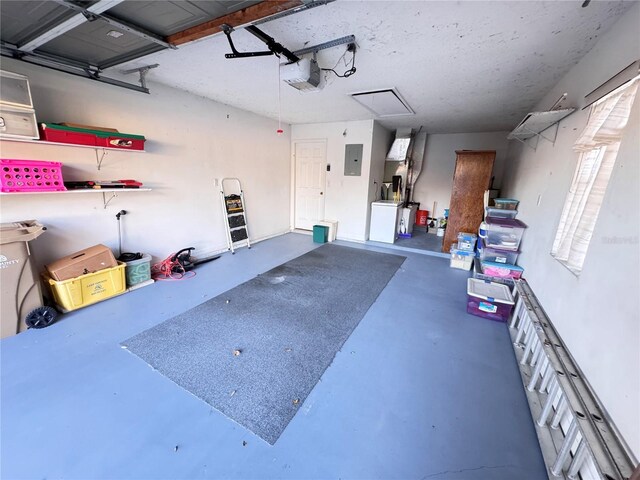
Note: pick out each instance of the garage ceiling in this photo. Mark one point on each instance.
(94, 35)
(460, 66)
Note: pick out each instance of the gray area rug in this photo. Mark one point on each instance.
(255, 352)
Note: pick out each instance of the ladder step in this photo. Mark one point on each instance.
(236, 221)
(234, 204)
(238, 235)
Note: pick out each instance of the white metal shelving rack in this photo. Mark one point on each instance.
(534, 124)
(99, 151)
(108, 194)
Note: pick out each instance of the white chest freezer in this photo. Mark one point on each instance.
(385, 221)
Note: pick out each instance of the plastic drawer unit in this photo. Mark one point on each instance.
(500, 212)
(17, 117)
(18, 123)
(504, 233)
(497, 255)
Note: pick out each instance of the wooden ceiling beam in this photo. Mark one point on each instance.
(241, 17)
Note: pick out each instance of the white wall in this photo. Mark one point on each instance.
(597, 313)
(345, 196)
(436, 179)
(191, 141)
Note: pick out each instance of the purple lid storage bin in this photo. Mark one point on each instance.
(498, 255)
(504, 233)
(489, 300)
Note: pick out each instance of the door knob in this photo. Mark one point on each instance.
(321, 193)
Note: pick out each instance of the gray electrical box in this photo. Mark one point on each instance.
(353, 159)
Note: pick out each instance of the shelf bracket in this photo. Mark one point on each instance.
(142, 71)
(100, 158)
(526, 142)
(538, 136)
(541, 122)
(106, 201)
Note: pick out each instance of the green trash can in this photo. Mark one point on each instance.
(320, 234)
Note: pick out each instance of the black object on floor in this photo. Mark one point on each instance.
(255, 352)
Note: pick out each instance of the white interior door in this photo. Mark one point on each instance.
(311, 161)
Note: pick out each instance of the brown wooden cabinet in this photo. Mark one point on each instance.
(471, 178)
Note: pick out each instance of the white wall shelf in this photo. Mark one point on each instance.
(535, 123)
(60, 144)
(108, 194)
(95, 148)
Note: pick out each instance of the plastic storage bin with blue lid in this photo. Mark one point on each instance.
(500, 212)
(498, 255)
(461, 259)
(467, 241)
(501, 270)
(506, 203)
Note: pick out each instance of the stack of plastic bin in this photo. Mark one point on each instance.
(462, 253)
(498, 247)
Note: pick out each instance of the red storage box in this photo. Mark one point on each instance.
(62, 135)
(31, 176)
(52, 132)
(123, 141)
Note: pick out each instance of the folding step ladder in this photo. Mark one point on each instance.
(235, 223)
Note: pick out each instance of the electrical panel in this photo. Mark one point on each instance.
(353, 159)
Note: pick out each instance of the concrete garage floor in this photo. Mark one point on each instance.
(422, 240)
(420, 390)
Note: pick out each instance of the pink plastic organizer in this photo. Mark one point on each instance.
(31, 176)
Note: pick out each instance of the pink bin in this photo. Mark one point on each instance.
(31, 176)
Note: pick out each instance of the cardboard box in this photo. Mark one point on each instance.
(85, 261)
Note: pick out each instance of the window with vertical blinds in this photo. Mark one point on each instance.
(597, 147)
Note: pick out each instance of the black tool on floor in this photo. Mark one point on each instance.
(185, 261)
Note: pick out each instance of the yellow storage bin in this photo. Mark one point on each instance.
(87, 289)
